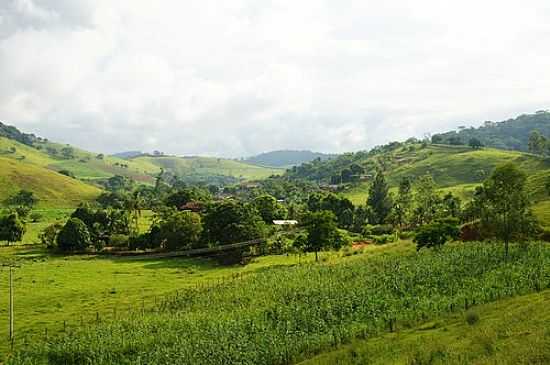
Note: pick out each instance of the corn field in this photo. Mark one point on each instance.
(284, 315)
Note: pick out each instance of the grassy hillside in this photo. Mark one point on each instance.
(52, 188)
(456, 169)
(511, 331)
(287, 314)
(206, 166)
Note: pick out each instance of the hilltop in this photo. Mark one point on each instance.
(287, 158)
(511, 134)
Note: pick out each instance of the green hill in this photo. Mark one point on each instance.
(286, 158)
(53, 189)
(512, 134)
(205, 168)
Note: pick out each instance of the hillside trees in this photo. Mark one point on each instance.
(402, 206)
(505, 211)
(23, 198)
(436, 234)
(379, 201)
(475, 143)
(538, 144)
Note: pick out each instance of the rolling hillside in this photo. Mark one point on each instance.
(189, 168)
(53, 189)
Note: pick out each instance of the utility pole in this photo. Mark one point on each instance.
(11, 303)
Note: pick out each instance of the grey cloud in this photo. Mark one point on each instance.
(241, 77)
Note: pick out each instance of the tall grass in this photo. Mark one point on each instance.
(283, 315)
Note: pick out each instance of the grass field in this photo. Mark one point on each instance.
(510, 331)
(290, 313)
(51, 289)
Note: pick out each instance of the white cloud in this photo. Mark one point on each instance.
(240, 77)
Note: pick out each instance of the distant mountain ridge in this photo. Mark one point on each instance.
(127, 154)
(287, 158)
(511, 134)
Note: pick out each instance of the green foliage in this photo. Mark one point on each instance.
(341, 207)
(186, 195)
(230, 221)
(269, 208)
(288, 314)
(426, 199)
(180, 230)
(538, 143)
(513, 134)
(322, 232)
(435, 235)
(119, 183)
(23, 198)
(119, 240)
(74, 236)
(48, 237)
(11, 228)
(475, 143)
(379, 200)
(506, 206)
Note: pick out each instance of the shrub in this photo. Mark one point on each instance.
(435, 235)
(119, 240)
(383, 239)
(472, 318)
(471, 232)
(377, 230)
(406, 235)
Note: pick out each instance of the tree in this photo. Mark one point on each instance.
(118, 183)
(451, 205)
(24, 198)
(269, 208)
(230, 221)
(48, 237)
(506, 206)
(322, 232)
(67, 152)
(436, 234)
(426, 200)
(401, 209)
(11, 228)
(74, 236)
(537, 143)
(379, 200)
(186, 195)
(455, 141)
(181, 230)
(475, 143)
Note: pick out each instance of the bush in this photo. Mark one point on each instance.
(471, 232)
(472, 318)
(383, 239)
(406, 235)
(74, 236)
(119, 240)
(435, 235)
(377, 230)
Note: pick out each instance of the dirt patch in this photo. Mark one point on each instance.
(360, 244)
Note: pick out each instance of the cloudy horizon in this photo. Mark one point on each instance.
(243, 77)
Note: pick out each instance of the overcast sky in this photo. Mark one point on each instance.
(239, 77)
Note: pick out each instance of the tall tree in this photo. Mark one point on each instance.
(506, 209)
(379, 199)
(322, 232)
(537, 143)
(74, 236)
(401, 210)
(427, 200)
